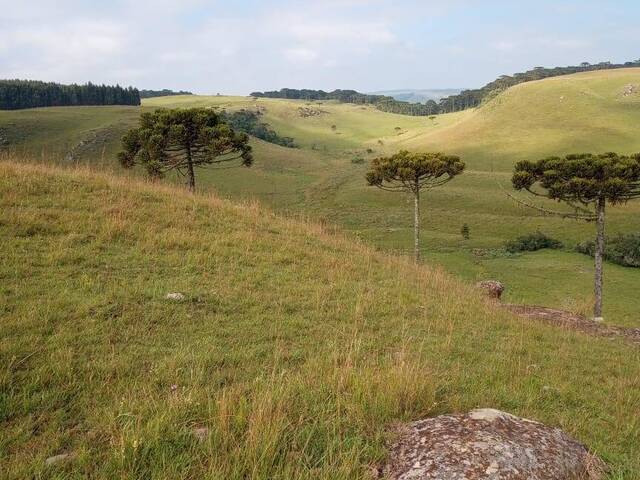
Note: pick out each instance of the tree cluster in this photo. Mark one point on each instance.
(249, 122)
(19, 94)
(162, 93)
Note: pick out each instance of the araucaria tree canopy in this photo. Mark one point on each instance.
(412, 172)
(183, 139)
(585, 182)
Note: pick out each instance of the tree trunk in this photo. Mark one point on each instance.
(191, 174)
(416, 224)
(599, 253)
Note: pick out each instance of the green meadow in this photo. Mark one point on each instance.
(293, 351)
(324, 178)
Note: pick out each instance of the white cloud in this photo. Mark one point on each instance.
(300, 54)
(240, 46)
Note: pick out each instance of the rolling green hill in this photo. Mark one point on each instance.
(293, 351)
(594, 111)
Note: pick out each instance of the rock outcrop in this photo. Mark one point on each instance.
(488, 445)
(492, 288)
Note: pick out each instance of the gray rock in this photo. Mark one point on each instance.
(488, 444)
(175, 296)
(201, 433)
(492, 288)
(63, 457)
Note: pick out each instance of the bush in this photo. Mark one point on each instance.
(357, 160)
(532, 242)
(465, 232)
(623, 249)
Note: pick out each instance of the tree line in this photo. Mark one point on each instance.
(19, 94)
(165, 92)
(453, 103)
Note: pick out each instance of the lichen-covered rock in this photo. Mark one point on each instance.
(175, 296)
(492, 288)
(488, 445)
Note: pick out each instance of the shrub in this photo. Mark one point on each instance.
(465, 232)
(357, 160)
(531, 243)
(622, 249)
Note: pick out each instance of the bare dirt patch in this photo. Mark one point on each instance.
(572, 321)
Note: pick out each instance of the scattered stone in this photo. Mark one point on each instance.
(488, 444)
(63, 457)
(201, 433)
(175, 296)
(492, 288)
(306, 112)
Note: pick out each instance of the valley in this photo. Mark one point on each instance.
(323, 179)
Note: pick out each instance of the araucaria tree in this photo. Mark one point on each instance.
(413, 172)
(181, 140)
(586, 183)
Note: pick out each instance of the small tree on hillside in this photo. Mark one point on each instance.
(585, 182)
(412, 172)
(181, 140)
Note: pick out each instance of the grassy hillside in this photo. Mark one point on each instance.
(594, 111)
(295, 348)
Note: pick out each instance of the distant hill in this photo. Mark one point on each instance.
(419, 96)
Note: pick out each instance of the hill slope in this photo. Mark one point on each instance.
(292, 352)
(593, 111)
(324, 179)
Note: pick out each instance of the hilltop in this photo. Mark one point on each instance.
(292, 352)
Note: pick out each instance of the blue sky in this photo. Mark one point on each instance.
(246, 45)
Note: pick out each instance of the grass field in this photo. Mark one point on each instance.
(294, 350)
(584, 112)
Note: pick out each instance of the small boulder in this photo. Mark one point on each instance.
(488, 444)
(201, 433)
(63, 457)
(492, 288)
(176, 296)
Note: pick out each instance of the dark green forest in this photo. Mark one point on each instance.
(454, 103)
(249, 122)
(19, 94)
(165, 92)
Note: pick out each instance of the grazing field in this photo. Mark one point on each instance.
(294, 349)
(324, 178)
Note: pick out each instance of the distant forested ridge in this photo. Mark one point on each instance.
(454, 103)
(161, 93)
(473, 98)
(381, 102)
(18, 94)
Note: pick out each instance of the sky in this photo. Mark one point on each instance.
(240, 46)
